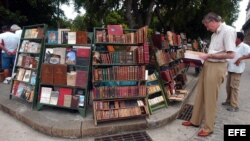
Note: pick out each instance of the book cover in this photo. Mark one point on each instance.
(81, 78)
(60, 74)
(75, 101)
(81, 37)
(60, 30)
(70, 57)
(193, 57)
(45, 95)
(20, 60)
(71, 37)
(83, 52)
(115, 29)
(52, 37)
(71, 78)
(61, 52)
(33, 78)
(54, 97)
(33, 47)
(67, 100)
(81, 100)
(20, 74)
(27, 74)
(24, 46)
(47, 74)
(62, 93)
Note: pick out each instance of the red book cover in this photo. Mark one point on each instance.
(81, 37)
(62, 93)
(81, 78)
(83, 52)
(115, 29)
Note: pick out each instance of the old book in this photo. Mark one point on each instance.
(27, 75)
(193, 57)
(52, 37)
(115, 29)
(70, 57)
(54, 97)
(62, 93)
(81, 37)
(20, 74)
(71, 78)
(45, 95)
(19, 60)
(67, 100)
(47, 74)
(83, 52)
(71, 37)
(60, 30)
(60, 74)
(81, 101)
(33, 78)
(81, 78)
(74, 101)
(24, 46)
(61, 52)
(33, 47)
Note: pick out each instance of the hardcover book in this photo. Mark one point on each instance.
(70, 57)
(60, 74)
(71, 37)
(45, 95)
(60, 31)
(61, 52)
(115, 29)
(83, 52)
(54, 97)
(27, 74)
(62, 93)
(81, 78)
(193, 57)
(20, 74)
(47, 74)
(52, 36)
(81, 37)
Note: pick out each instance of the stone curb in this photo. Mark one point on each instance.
(81, 129)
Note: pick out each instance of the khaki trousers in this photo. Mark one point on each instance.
(205, 105)
(232, 87)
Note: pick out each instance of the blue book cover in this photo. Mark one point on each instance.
(52, 37)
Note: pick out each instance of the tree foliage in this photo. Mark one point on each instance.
(161, 15)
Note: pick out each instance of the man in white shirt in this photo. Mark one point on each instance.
(211, 77)
(8, 44)
(236, 67)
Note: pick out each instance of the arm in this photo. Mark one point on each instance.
(223, 55)
(237, 62)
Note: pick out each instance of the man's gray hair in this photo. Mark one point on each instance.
(211, 16)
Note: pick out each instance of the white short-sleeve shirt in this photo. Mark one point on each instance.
(10, 40)
(241, 50)
(222, 40)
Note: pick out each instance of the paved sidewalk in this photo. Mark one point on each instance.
(64, 123)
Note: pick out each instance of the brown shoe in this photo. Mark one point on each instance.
(189, 123)
(204, 133)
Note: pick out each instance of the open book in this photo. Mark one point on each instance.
(193, 57)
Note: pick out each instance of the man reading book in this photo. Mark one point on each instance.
(221, 48)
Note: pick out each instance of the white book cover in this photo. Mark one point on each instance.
(71, 37)
(45, 95)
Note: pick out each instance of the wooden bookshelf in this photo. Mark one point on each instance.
(25, 80)
(65, 73)
(119, 74)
